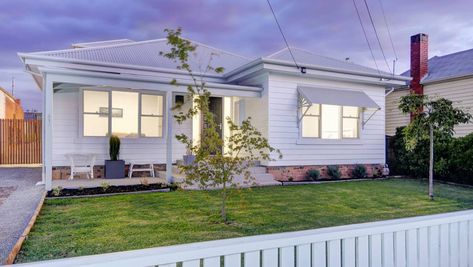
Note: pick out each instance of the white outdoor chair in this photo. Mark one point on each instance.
(82, 163)
(144, 167)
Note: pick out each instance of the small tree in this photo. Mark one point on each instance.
(431, 119)
(214, 166)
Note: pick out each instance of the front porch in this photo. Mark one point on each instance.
(72, 126)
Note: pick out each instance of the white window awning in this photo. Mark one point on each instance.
(309, 95)
(315, 95)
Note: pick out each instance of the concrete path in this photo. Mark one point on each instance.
(19, 197)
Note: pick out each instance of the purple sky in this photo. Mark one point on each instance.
(246, 27)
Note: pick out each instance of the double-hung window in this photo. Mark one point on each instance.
(122, 113)
(330, 121)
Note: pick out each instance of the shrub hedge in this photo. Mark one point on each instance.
(453, 158)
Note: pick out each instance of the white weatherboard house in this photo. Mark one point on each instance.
(331, 114)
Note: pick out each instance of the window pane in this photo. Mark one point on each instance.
(125, 114)
(313, 110)
(151, 105)
(350, 128)
(151, 126)
(350, 112)
(331, 121)
(310, 126)
(96, 102)
(95, 125)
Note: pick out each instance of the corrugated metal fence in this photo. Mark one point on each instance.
(20, 141)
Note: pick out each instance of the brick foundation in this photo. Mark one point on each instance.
(298, 173)
(64, 172)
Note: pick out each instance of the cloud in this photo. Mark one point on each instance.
(247, 27)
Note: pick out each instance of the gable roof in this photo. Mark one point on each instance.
(448, 66)
(6, 93)
(303, 56)
(145, 54)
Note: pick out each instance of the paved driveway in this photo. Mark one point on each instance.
(18, 200)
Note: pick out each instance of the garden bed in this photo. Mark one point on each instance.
(108, 190)
(328, 180)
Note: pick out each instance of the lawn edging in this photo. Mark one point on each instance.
(19, 243)
(164, 190)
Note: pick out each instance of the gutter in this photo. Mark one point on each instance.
(150, 79)
(448, 79)
(313, 67)
(25, 56)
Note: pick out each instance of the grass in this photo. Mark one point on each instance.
(74, 227)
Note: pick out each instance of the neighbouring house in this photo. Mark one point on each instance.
(449, 76)
(32, 115)
(10, 107)
(329, 112)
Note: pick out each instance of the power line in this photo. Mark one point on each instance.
(377, 36)
(282, 34)
(387, 27)
(366, 37)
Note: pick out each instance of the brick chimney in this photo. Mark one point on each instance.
(419, 61)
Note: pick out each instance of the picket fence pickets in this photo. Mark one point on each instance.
(442, 240)
(20, 141)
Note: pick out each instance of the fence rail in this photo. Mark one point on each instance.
(20, 141)
(436, 241)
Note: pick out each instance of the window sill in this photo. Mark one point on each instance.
(318, 141)
(124, 140)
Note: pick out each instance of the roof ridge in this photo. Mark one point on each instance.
(454, 53)
(98, 47)
(122, 41)
(215, 48)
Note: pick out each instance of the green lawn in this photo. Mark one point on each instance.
(73, 227)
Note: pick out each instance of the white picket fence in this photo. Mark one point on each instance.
(443, 240)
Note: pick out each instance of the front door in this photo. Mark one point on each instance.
(216, 108)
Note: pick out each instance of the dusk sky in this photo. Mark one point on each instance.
(246, 27)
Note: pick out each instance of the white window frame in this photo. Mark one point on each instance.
(81, 135)
(302, 111)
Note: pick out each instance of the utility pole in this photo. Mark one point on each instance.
(13, 85)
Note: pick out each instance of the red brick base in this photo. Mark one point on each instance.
(64, 172)
(298, 173)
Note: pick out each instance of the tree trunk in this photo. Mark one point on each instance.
(223, 211)
(431, 164)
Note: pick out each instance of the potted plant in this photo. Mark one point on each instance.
(188, 158)
(114, 168)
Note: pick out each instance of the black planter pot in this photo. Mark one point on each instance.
(114, 169)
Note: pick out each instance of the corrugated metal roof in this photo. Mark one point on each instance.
(306, 57)
(448, 66)
(102, 43)
(146, 53)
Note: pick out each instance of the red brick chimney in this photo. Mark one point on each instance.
(419, 61)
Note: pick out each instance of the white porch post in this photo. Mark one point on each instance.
(47, 125)
(169, 136)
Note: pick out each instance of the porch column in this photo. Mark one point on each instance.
(47, 125)
(169, 136)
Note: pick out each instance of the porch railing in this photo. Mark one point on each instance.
(436, 240)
